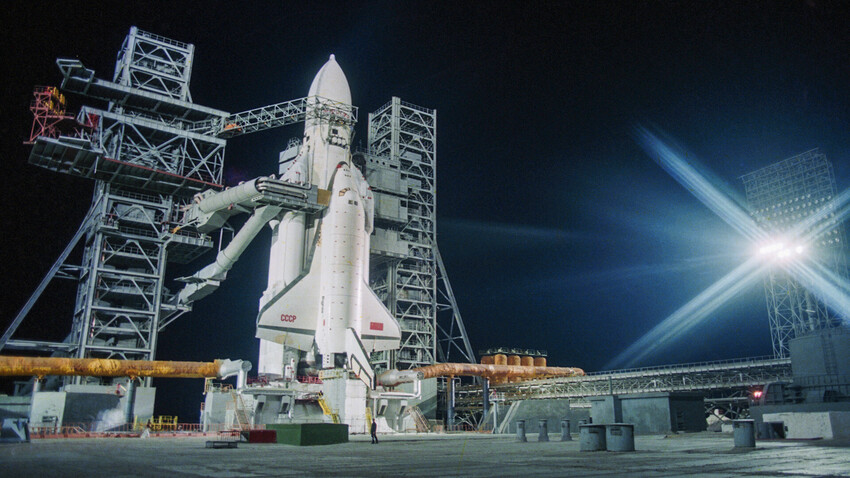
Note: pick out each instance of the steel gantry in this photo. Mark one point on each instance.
(408, 272)
(146, 165)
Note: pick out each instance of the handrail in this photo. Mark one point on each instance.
(736, 361)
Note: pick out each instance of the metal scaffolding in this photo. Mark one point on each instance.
(408, 272)
(783, 198)
(146, 164)
(725, 384)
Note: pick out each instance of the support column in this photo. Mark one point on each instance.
(131, 401)
(450, 403)
(485, 388)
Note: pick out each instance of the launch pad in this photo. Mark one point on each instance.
(159, 195)
(467, 455)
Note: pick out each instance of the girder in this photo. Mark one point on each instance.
(721, 378)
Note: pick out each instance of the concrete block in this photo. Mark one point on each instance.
(309, 434)
(810, 425)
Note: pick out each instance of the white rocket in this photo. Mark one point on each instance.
(318, 297)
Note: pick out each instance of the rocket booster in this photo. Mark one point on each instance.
(318, 292)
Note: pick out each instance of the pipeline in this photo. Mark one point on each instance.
(394, 377)
(43, 366)
(498, 372)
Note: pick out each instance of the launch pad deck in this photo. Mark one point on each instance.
(701, 454)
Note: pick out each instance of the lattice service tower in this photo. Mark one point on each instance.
(407, 270)
(781, 197)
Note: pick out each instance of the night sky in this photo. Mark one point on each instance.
(558, 231)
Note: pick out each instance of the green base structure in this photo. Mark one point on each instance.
(309, 434)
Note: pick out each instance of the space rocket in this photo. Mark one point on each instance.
(318, 298)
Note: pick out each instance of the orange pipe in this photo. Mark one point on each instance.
(42, 366)
(539, 361)
(498, 372)
(500, 359)
(526, 361)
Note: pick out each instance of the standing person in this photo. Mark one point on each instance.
(374, 431)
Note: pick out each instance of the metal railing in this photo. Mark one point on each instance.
(128, 430)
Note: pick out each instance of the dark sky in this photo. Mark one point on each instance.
(557, 230)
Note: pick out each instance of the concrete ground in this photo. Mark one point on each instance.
(701, 454)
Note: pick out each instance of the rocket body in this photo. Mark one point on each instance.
(318, 292)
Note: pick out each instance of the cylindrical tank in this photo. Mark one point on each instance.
(520, 430)
(514, 360)
(744, 433)
(526, 361)
(498, 359)
(591, 437)
(620, 437)
(539, 361)
(543, 427)
(565, 430)
(488, 360)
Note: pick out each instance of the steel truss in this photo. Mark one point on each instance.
(147, 165)
(781, 198)
(157, 64)
(723, 383)
(413, 281)
(281, 114)
(48, 111)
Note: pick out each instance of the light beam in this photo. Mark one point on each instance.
(824, 283)
(690, 314)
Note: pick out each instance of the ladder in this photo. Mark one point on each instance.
(327, 410)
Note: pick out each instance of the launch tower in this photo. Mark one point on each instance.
(147, 161)
(408, 272)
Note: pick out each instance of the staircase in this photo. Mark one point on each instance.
(422, 425)
(240, 413)
(505, 425)
(327, 410)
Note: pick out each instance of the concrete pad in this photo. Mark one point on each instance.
(476, 455)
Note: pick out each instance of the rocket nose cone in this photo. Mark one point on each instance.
(330, 82)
